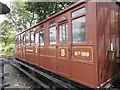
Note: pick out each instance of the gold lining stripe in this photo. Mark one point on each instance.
(47, 55)
(29, 50)
(48, 47)
(64, 74)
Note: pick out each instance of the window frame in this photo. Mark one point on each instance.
(35, 38)
(53, 23)
(49, 34)
(50, 26)
(23, 39)
(44, 37)
(42, 29)
(16, 41)
(20, 43)
(83, 6)
(41, 26)
(73, 18)
(27, 33)
(63, 23)
(33, 30)
(19, 37)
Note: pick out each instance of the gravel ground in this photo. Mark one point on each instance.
(17, 79)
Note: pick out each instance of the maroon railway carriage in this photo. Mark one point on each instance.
(80, 43)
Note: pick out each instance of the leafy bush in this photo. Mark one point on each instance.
(9, 49)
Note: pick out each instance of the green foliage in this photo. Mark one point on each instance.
(46, 9)
(7, 34)
(9, 49)
(20, 17)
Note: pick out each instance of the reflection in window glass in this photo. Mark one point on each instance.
(27, 40)
(78, 12)
(64, 32)
(23, 39)
(78, 30)
(41, 27)
(37, 38)
(52, 22)
(32, 37)
(42, 37)
(52, 35)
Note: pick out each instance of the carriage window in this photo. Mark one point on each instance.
(27, 40)
(52, 23)
(78, 30)
(19, 40)
(78, 12)
(52, 33)
(63, 32)
(16, 41)
(37, 38)
(41, 27)
(24, 39)
(42, 37)
(32, 37)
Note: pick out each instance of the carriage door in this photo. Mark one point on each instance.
(63, 55)
(36, 48)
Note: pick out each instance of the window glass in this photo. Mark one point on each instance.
(78, 12)
(52, 22)
(19, 42)
(37, 38)
(21, 39)
(42, 37)
(64, 32)
(16, 41)
(41, 27)
(32, 37)
(52, 33)
(78, 30)
(24, 39)
(27, 40)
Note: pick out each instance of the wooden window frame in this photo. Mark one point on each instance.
(73, 18)
(39, 37)
(62, 42)
(33, 36)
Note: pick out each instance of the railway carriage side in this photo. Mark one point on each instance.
(65, 44)
(72, 43)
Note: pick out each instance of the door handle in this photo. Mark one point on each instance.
(108, 53)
